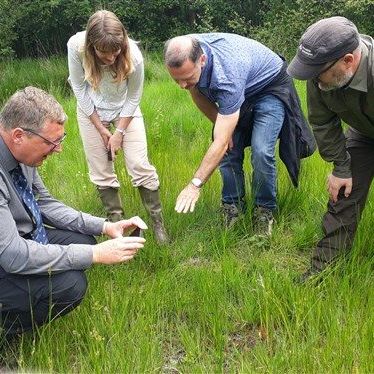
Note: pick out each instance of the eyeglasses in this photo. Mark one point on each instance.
(328, 67)
(54, 144)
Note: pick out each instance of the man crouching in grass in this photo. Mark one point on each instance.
(45, 246)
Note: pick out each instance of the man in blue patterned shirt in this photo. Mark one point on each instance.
(242, 87)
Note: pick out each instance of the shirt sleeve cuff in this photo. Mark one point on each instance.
(343, 169)
(229, 111)
(82, 256)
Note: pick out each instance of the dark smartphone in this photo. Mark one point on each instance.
(137, 232)
(110, 158)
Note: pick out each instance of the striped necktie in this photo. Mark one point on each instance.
(39, 234)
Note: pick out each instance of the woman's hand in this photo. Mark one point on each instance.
(105, 135)
(115, 143)
(101, 127)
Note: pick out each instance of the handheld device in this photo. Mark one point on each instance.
(137, 232)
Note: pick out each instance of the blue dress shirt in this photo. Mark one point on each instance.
(236, 68)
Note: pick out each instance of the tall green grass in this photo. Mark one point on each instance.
(214, 300)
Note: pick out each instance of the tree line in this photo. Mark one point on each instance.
(41, 28)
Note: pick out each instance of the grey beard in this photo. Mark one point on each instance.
(339, 82)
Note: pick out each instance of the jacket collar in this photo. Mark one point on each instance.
(7, 159)
(360, 79)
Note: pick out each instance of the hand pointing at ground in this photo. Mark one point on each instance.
(187, 199)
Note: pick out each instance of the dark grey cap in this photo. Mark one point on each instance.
(325, 41)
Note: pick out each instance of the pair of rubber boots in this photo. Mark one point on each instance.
(111, 200)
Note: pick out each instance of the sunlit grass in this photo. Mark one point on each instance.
(214, 300)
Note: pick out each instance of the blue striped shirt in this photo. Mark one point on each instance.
(236, 69)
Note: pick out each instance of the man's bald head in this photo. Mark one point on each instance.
(180, 49)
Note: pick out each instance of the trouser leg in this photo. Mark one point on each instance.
(101, 169)
(268, 118)
(341, 219)
(29, 300)
(66, 237)
(231, 169)
(34, 300)
(139, 168)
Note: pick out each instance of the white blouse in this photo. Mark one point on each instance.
(111, 99)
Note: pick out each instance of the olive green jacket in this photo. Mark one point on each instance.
(353, 104)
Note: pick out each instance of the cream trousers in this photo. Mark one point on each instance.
(101, 170)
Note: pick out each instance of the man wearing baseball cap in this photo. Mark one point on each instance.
(338, 64)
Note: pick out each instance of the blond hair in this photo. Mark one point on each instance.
(106, 33)
(31, 107)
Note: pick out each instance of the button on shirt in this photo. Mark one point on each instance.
(236, 69)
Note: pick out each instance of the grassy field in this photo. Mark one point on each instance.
(214, 300)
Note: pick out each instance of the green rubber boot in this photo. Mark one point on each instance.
(152, 203)
(111, 200)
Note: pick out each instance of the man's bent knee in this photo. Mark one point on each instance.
(70, 291)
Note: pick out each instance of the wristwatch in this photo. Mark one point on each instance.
(122, 131)
(197, 182)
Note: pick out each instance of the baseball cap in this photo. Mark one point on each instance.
(326, 40)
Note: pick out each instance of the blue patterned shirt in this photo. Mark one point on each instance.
(236, 68)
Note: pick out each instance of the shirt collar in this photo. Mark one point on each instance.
(360, 79)
(6, 157)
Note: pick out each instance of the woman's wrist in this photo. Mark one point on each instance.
(120, 131)
(104, 131)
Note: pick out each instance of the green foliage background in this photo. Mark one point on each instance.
(42, 27)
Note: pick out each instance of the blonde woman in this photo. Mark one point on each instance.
(106, 73)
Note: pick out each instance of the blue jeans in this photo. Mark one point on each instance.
(262, 134)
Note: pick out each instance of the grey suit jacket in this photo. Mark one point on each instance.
(25, 256)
